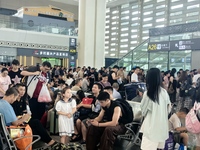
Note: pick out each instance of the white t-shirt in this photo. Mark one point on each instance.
(134, 77)
(195, 78)
(174, 122)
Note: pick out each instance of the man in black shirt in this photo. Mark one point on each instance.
(91, 76)
(105, 132)
(15, 73)
(112, 77)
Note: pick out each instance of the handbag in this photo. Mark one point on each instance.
(44, 96)
(87, 100)
(21, 131)
(32, 82)
(191, 121)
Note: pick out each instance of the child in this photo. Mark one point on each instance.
(175, 126)
(65, 109)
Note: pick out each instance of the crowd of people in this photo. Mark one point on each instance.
(87, 102)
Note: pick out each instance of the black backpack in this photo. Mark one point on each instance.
(127, 111)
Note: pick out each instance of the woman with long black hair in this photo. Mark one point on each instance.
(155, 107)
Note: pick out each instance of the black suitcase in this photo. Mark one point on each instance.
(53, 122)
(131, 88)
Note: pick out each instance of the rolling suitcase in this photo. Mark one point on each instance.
(131, 88)
(53, 123)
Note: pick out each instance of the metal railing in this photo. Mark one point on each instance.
(38, 28)
(130, 53)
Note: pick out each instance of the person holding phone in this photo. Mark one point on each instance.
(105, 131)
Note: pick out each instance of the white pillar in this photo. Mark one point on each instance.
(91, 33)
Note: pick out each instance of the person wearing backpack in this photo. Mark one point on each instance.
(155, 107)
(105, 131)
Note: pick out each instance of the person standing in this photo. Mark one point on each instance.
(65, 109)
(155, 107)
(37, 108)
(15, 72)
(134, 76)
(112, 78)
(4, 82)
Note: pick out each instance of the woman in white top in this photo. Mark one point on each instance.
(155, 107)
(4, 81)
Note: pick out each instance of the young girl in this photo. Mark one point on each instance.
(65, 109)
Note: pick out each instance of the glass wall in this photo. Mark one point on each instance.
(128, 25)
(180, 59)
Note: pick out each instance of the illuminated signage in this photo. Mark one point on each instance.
(190, 44)
(158, 46)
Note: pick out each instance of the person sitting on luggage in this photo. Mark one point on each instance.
(20, 107)
(105, 132)
(176, 127)
(139, 93)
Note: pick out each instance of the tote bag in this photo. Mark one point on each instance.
(21, 131)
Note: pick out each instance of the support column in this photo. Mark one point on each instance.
(91, 33)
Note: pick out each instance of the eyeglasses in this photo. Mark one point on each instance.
(46, 69)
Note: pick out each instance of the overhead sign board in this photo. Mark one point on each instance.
(190, 44)
(154, 46)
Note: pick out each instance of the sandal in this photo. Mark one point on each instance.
(75, 138)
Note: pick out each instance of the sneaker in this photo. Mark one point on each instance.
(55, 146)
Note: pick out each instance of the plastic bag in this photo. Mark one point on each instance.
(44, 95)
(169, 143)
(192, 122)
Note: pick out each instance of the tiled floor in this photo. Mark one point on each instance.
(56, 138)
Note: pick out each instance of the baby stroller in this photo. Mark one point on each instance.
(132, 138)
